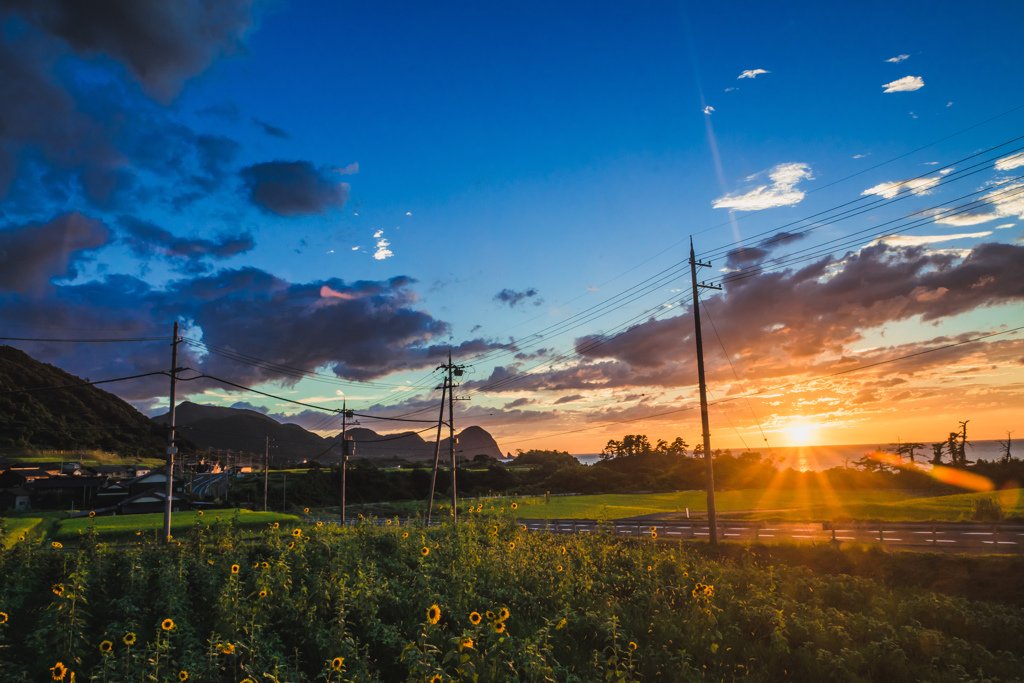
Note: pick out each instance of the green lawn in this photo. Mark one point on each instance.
(127, 525)
(18, 527)
(87, 458)
(792, 504)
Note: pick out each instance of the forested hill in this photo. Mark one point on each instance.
(68, 419)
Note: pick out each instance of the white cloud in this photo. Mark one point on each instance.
(1012, 161)
(915, 186)
(897, 59)
(408, 213)
(377, 234)
(730, 89)
(1005, 225)
(708, 109)
(949, 104)
(920, 240)
(861, 156)
(913, 115)
(931, 163)
(1008, 200)
(905, 84)
(355, 248)
(351, 169)
(752, 73)
(964, 219)
(781, 192)
(382, 250)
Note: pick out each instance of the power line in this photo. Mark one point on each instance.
(82, 384)
(86, 341)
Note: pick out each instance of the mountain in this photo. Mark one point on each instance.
(82, 418)
(239, 429)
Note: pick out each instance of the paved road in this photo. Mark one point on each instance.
(950, 537)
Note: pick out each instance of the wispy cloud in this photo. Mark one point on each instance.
(1012, 161)
(730, 89)
(861, 156)
(708, 109)
(351, 169)
(781, 192)
(1005, 225)
(905, 84)
(921, 240)
(964, 219)
(915, 186)
(897, 59)
(752, 73)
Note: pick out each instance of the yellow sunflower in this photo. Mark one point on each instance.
(55, 544)
(167, 625)
(59, 671)
(58, 589)
(106, 646)
(263, 594)
(490, 615)
(425, 551)
(277, 525)
(319, 524)
(182, 675)
(3, 617)
(92, 513)
(515, 506)
(234, 569)
(654, 534)
(337, 663)
(296, 532)
(632, 645)
(227, 648)
(200, 513)
(499, 627)
(291, 545)
(405, 535)
(466, 643)
(474, 618)
(434, 614)
(512, 545)
(305, 511)
(265, 565)
(559, 568)
(129, 639)
(388, 522)
(436, 679)
(503, 614)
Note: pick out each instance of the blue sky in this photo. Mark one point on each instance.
(351, 188)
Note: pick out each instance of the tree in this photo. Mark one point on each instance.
(907, 449)
(937, 449)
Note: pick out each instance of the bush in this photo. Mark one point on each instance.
(987, 510)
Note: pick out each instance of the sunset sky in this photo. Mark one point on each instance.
(344, 192)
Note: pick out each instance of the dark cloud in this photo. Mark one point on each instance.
(361, 330)
(519, 403)
(272, 130)
(147, 240)
(569, 399)
(33, 254)
(745, 256)
(161, 42)
(293, 188)
(514, 298)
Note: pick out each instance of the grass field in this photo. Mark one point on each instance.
(128, 525)
(87, 458)
(788, 504)
(18, 527)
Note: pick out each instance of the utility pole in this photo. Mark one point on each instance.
(171, 449)
(266, 474)
(345, 414)
(437, 452)
(712, 516)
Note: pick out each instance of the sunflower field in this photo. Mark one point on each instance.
(477, 601)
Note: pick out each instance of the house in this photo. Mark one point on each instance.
(114, 472)
(153, 479)
(65, 491)
(23, 475)
(16, 499)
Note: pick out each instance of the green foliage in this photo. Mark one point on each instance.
(130, 525)
(481, 601)
(987, 510)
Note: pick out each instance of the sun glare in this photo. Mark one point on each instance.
(800, 433)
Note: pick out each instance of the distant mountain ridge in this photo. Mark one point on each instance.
(241, 429)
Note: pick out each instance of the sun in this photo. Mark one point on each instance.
(801, 433)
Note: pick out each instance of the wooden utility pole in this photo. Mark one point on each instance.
(345, 414)
(266, 473)
(437, 452)
(712, 516)
(171, 448)
(451, 433)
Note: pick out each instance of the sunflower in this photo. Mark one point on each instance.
(434, 614)
(424, 551)
(405, 535)
(167, 624)
(654, 533)
(21, 538)
(55, 544)
(466, 643)
(650, 568)
(296, 532)
(305, 511)
(632, 645)
(512, 545)
(263, 594)
(265, 565)
(58, 589)
(436, 679)
(337, 663)
(490, 615)
(200, 513)
(256, 565)
(524, 528)
(515, 506)
(227, 648)
(92, 513)
(319, 524)
(388, 522)
(106, 646)
(564, 551)
(277, 525)
(559, 568)
(59, 671)
(3, 617)
(182, 675)
(291, 545)
(503, 614)
(499, 627)
(234, 569)
(129, 638)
